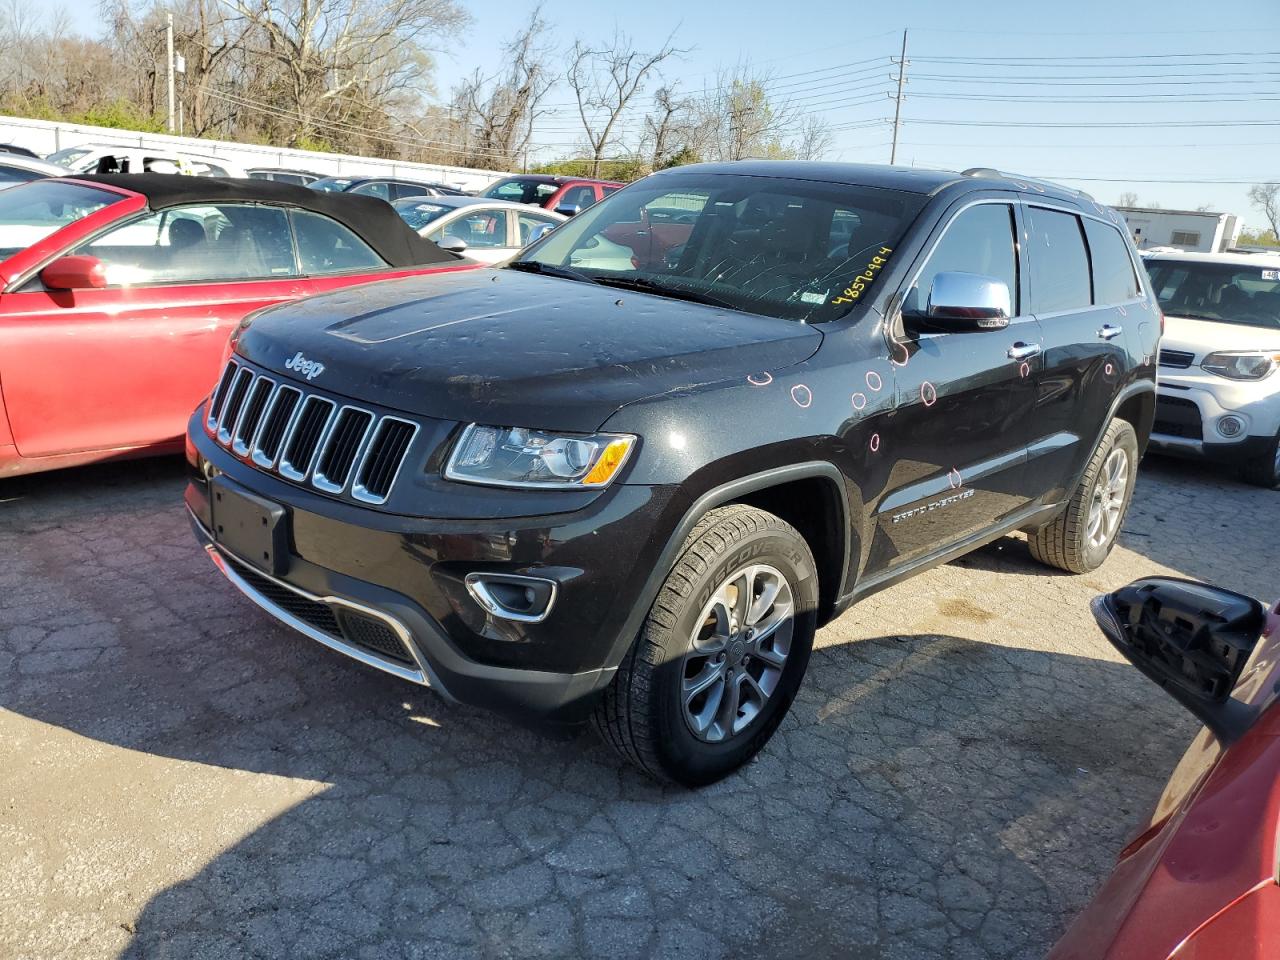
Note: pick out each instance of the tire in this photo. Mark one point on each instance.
(665, 687)
(1071, 542)
(1264, 471)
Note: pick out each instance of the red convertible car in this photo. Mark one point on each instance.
(118, 295)
(1201, 881)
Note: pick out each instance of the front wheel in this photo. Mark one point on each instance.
(721, 654)
(1082, 536)
(1264, 470)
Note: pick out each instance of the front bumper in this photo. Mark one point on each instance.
(1190, 406)
(390, 590)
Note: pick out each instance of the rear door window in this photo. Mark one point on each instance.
(1114, 280)
(1060, 278)
(326, 246)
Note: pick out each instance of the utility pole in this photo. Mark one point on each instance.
(168, 41)
(897, 106)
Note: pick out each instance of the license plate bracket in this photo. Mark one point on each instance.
(252, 528)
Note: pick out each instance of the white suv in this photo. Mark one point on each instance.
(1218, 391)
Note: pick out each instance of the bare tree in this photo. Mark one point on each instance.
(1266, 197)
(330, 51)
(669, 127)
(495, 115)
(1127, 199)
(815, 138)
(739, 119)
(604, 82)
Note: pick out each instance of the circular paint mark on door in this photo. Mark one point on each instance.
(875, 442)
(873, 380)
(802, 395)
(1024, 369)
(859, 400)
(760, 379)
(954, 479)
(928, 393)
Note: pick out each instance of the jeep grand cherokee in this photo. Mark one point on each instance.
(624, 478)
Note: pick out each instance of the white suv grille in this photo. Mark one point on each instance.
(337, 448)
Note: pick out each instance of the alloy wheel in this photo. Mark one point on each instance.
(737, 652)
(1106, 508)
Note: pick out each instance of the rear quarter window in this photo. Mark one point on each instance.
(1114, 280)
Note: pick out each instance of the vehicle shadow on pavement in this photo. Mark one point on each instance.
(225, 788)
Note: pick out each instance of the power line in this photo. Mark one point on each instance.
(1102, 124)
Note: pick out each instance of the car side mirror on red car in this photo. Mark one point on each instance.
(76, 272)
(1192, 639)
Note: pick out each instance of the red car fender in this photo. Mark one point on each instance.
(1201, 880)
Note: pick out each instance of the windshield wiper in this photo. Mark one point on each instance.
(662, 290)
(548, 270)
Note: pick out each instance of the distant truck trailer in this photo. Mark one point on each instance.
(1192, 231)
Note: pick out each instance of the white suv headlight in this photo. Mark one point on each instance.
(1244, 365)
(537, 459)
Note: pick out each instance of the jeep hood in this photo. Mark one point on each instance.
(510, 348)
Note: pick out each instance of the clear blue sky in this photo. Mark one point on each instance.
(1187, 61)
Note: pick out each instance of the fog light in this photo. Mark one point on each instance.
(1230, 426)
(511, 596)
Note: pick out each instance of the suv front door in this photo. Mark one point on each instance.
(960, 429)
(1083, 300)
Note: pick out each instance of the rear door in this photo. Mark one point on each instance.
(961, 428)
(124, 366)
(1084, 293)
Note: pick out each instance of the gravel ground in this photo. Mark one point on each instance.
(181, 777)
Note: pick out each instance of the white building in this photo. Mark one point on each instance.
(1196, 231)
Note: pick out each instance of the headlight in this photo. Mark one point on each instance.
(517, 457)
(1248, 365)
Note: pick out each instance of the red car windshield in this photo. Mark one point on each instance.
(31, 212)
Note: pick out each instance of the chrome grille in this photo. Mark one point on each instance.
(307, 438)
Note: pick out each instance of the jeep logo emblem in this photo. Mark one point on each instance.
(308, 368)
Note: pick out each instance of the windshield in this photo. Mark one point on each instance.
(68, 156)
(520, 190)
(332, 184)
(793, 249)
(33, 211)
(417, 212)
(1238, 293)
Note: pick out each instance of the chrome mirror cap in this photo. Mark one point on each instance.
(983, 302)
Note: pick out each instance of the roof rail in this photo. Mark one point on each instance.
(981, 172)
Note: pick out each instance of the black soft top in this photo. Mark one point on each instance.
(373, 219)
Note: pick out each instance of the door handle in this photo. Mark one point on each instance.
(1108, 331)
(1024, 351)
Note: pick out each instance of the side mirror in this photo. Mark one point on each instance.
(538, 232)
(966, 302)
(568, 210)
(452, 244)
(75, 272)
(1191, 639)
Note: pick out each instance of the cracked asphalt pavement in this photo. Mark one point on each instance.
(180, 777)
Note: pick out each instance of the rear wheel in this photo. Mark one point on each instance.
(1082, 536)
(1264, 470)
(721, 654)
